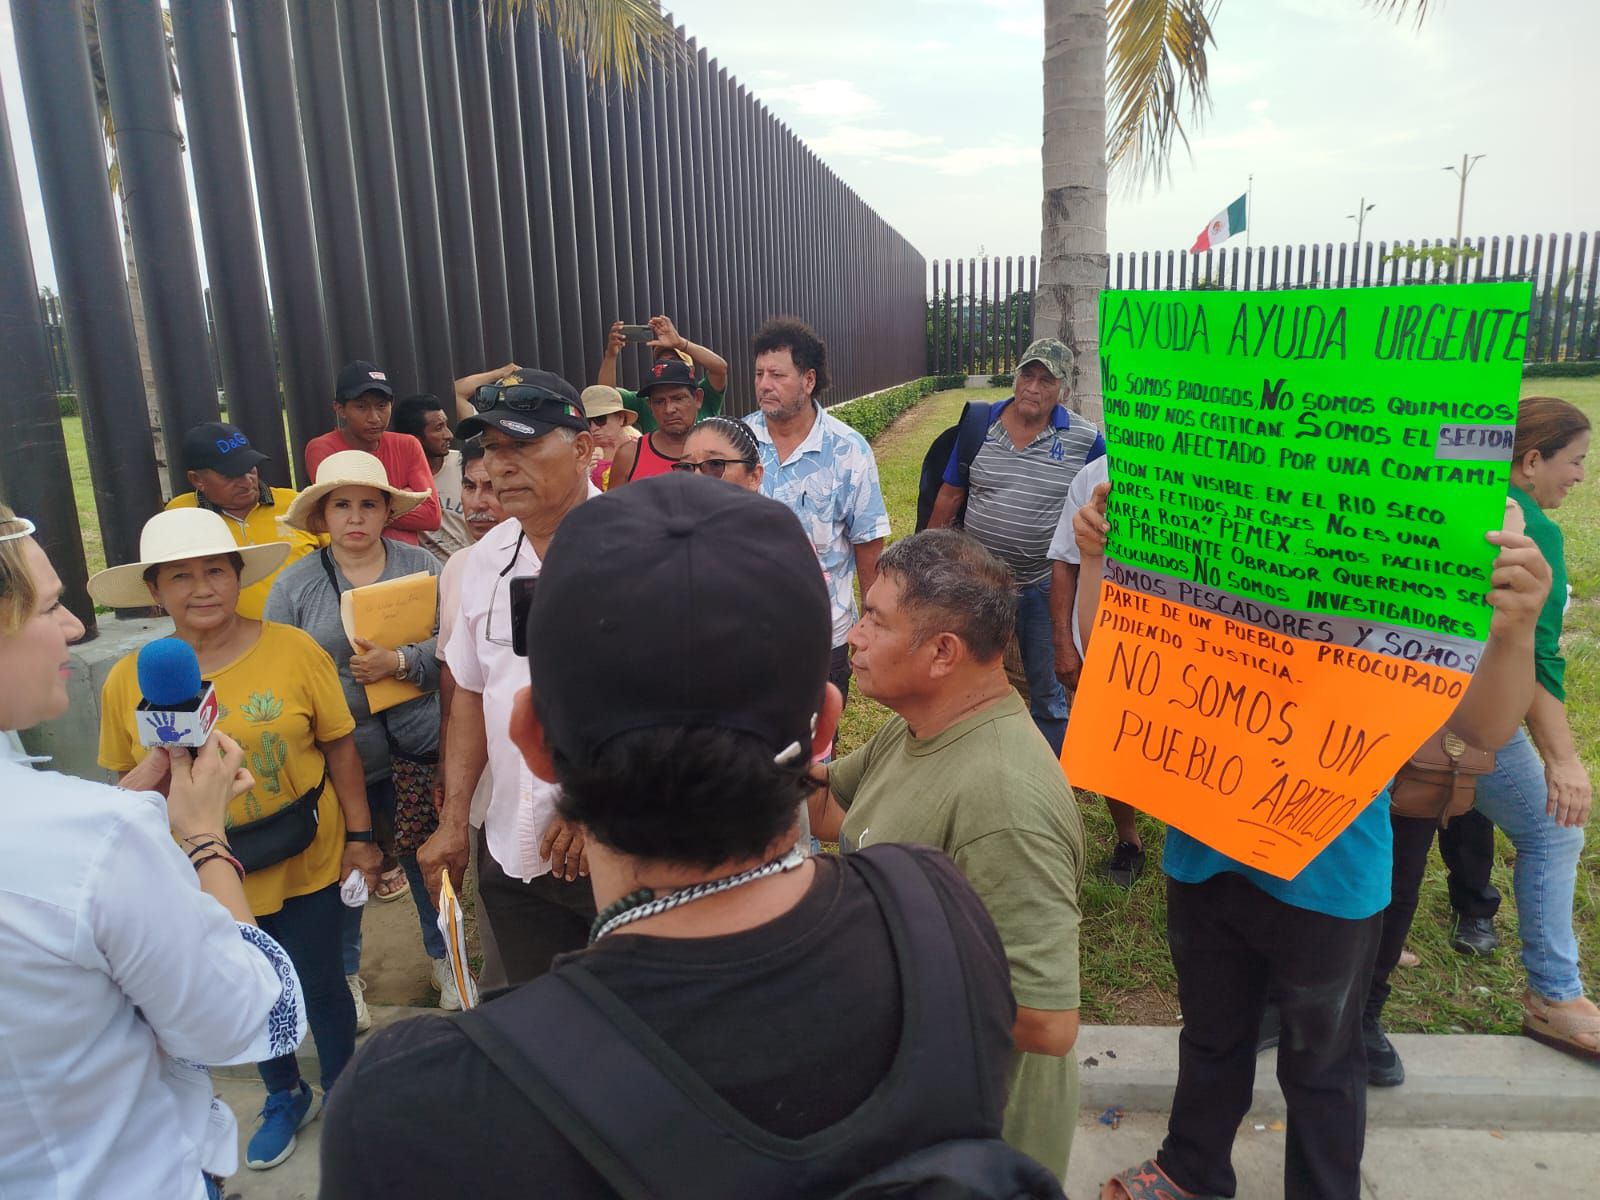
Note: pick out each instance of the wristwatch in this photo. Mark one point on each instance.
(400, 671)
(358, 835)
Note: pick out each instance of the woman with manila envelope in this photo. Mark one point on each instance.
(372, 603)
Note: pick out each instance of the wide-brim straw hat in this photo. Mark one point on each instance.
(349, 468)
(174, 536)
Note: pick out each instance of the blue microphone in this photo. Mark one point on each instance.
(178, 708)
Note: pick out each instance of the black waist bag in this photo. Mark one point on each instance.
(655, 1130)
(267, 841)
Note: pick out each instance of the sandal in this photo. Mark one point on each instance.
(1571, 1030)
(391, 885)
(1408, 959)
(1147, 1181)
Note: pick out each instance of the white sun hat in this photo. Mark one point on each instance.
(174, 536)
(349, 468)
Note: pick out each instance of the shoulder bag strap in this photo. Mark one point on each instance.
(972, 429)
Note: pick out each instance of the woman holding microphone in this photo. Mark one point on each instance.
(304, 826)
(131, 953)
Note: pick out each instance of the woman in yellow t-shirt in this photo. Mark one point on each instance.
(279, 698)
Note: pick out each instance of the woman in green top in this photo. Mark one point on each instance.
(1542, 805)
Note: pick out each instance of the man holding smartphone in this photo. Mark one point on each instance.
(665, 343)
(533, 877)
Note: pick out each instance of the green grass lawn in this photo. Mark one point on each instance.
(1127, 973)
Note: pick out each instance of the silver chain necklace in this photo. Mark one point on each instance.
(638, 905)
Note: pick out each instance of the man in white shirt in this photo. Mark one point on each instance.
(483, 513)
(533, 879)
(1126, 863)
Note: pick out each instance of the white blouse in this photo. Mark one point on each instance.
(120, 978)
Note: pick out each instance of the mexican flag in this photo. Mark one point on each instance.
(1222, 227)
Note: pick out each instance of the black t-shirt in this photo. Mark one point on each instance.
(793, 1023)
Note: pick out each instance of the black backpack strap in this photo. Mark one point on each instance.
(652, 1127)
(973, 428)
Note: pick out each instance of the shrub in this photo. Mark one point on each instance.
(870, 415)
(1001, 380)
(67, 402)
(1560, 370)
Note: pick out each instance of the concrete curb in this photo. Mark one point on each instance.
(1468, 1081)
(1463, 1080)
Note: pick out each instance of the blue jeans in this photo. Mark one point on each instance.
(307, 927)
(380, 795)
(1513, 797)
(1047, 702)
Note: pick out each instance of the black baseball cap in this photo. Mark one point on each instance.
(668, 372)
(220, 447)
(525, 406)
(730, 573)
(357, 378)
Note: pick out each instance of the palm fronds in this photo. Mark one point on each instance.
(1156, 73)
(611, 37)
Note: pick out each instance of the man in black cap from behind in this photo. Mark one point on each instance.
(532, 877)
(654, 1066)
(224, 469)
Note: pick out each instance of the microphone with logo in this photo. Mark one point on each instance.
(178, 707)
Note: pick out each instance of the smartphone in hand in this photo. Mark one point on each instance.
(637, 333)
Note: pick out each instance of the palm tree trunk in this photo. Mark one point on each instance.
(1072, 267)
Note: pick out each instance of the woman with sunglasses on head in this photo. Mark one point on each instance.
(304, 825)
(723, 449)
(126, 937)
(352, 502)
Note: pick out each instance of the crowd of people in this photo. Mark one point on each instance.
(619, 736)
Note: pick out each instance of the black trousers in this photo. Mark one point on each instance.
(1467, 847)
(533, 921)
(1230, 941)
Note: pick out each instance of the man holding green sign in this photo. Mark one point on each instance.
(1293, 600)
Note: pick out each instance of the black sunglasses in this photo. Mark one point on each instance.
(519, 397)
(714, 467)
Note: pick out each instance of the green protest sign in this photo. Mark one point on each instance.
(1335, 453)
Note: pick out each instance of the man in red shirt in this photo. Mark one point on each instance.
(362, 404)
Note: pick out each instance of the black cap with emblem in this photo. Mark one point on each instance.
(525, 406)
(732, 580)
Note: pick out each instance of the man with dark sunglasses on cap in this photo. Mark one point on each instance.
(223, 467)
(533, 878)
(648, 1064)
(363, 402)
(675, 402)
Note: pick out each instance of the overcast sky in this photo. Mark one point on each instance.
(931, 110)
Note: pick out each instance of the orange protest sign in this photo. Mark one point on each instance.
(1260, 745)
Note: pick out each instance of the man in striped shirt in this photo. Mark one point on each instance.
(1014, 491)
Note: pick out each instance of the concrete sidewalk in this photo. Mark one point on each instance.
(1477, 1116)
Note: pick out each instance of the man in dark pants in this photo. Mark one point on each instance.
(1235, 932)
(1467, 847)
(536, 447)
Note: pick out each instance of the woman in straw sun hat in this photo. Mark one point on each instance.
(126, 940)
(304, 825)
(351, 502)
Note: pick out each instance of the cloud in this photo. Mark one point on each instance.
(972, 160)
(930, 46)
(822, 98)
(1023, 26)
(856, 141)
(1258, 105)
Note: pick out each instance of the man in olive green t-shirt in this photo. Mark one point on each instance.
(962, 767)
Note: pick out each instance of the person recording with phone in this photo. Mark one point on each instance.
(533, 878)
(128, 941)
(707, 370)
(304, 825)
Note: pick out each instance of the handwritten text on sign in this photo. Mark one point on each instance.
(1295, 589)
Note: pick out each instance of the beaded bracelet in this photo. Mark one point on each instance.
(227, 858)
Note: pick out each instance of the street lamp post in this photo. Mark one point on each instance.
(1360, 217)
(1461, 172)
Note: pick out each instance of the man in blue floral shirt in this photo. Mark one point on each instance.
(821, 468)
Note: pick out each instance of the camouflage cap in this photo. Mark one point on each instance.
(1052, 354)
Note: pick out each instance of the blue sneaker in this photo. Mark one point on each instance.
(281, 1116)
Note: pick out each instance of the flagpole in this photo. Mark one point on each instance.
(1249, 216)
